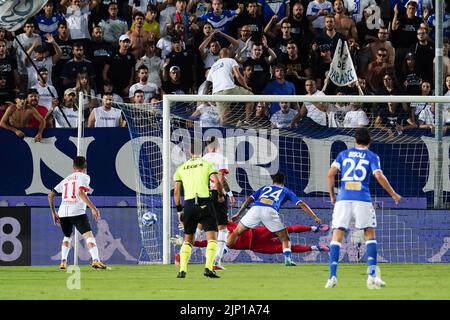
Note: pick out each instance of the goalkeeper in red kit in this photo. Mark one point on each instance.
(261, 240)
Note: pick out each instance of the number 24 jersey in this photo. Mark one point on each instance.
(274, 196)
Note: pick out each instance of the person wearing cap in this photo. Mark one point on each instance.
(138, 36)
(42, 59)
(19, 114)
(46, 91)
(68, 107)
(119, 69)
(174, 85)
(410, 76)
(184, 59)
(113, 26)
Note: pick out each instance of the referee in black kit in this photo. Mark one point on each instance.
(194, 176)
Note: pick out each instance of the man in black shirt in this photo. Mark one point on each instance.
(8, 67)
(75, 66)
(119, 69)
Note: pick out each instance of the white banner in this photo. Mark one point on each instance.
(342, 72)
(14, 13)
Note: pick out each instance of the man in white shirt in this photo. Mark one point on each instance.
(72, 211)
(356, 117)
(283, 117)
(150, 89)
(222, 75)
(45, 90)
(106, 115)
(315, 111)
(69, 109)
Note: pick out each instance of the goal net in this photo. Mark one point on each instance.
(258, 140)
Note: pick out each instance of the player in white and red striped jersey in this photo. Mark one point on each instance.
(221, 208)
(72, 211)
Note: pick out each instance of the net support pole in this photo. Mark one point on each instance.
(79, 152)
(438, 78)
(166, 180)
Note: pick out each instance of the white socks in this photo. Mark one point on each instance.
(221, 242)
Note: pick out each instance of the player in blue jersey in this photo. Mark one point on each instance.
(267, 202)
(354, 202)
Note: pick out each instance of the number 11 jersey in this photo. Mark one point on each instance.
(71, 203)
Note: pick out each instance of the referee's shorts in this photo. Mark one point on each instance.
(221, 208)
(202, 212)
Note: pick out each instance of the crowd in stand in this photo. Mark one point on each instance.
(136, 51)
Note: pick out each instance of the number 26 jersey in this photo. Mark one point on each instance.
(356, 165)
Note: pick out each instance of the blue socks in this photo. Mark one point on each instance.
(335, 247)
(371, 252)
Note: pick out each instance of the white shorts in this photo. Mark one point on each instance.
(362, 213)
(266, 215)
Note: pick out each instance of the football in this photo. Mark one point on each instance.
(149, 219)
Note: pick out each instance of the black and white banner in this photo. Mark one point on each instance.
(342, 71)
(14, 13)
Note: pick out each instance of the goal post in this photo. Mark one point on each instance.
(304, 154)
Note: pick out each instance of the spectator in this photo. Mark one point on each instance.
(317, 11)
(329, 36)
(68, 108)
(321, 65)
(427, 118)
(336, 112)
(249, 76)
(301, 28)
(8, 68)
(138, 6)
(119, 70)
(45, 91)
(389, 86)
(100, 9)
(222, 75)
(260, 118)
(209, 50)
(107, 87)
(164, 15)
(313, 113)
(271, 8)
(446, 60)
(150, 23)
(33, 102)
(106, 115)
(344, 24)
(356, 117)
(138, 36)
(279, 86)
(296, 70)
(174, 85)
(183, 59)
(6, 95)
(392, 118)
(261, 66)
(180, 16)
(7, 37)
(404, 31)
(26, 39)
(153, 62)
(98, 52)
(283, 118)
(65, 44)
(77, 17)
(356, 8)
(431, 21)
(382, 42)
(138, 97)
(48, 21)
(367, 27)
(424, 52)
(418, 107)
(207, 114)
(377, 69)
(149, 89)
(252, 19)
(43, 59)
(410, 76)
(19, 114)
(165, 44)
(280, 47)
(113, 26)
(75, 66)
(83, 84)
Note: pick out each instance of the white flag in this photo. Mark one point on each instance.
(342, 72)
(14, 13)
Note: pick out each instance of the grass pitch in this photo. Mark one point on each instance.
(238, 282)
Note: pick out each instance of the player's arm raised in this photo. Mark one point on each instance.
(244, 206)
(85, 198)
(309, 211)
(51, 197)
(384, 182)
(330, 179)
